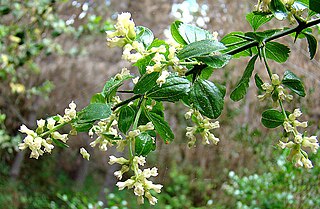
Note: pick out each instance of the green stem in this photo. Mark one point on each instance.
(283, 110)
(297, 29)
(266, 62)
(57, 127)
(134, 127)
(126, 101)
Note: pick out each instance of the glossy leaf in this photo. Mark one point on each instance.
(126, 118)
(200, 48)
(174, 89)
(312, 43)
(232, 41)
(294, 83)
(144, 144)
(59, 143)
(174, 28)
(161, 126)
(241, 89)
(93, 112)
(111, 87)
(257, 19)
(146, 82)
(277, 52)
(278, 9)
(215, 61)
(97, 98)
(272, 118)
(191, 33)
(82, 127)
(207, 98)
(258, 81)
(144, 35)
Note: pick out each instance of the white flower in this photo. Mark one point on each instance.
(311, 142)
(149, 126)
(152, 200)
(138, 189)
(84, 153)
(283, 145)
(162, 79)
(128, 183)
(41, 123)
(307, 163)
(70, 113)
(119, 160)
(275, 80)
(50, 123)
(123, 170)
(135, 80)
(62, 137)
(134, 133)
(24, 129)
(140, 160)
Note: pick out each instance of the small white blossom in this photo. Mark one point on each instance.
(84, 153)
(162, 79)
(119, 160)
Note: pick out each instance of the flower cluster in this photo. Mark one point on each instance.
(203, 126)
(139, 181)
(40, 141)
(124, 32)
(275, 90)
(264, 5)
(299, 141)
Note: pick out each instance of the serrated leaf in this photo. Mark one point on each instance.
(294, 83)
(144, 35)
(312, 43)
(256, 20)
(126, 118)
(258, 81)
(144, 144)
(207, 98)
(241, 89)
(97, 98)
(146, 82)
(111, 87)
(161, 126)
(191, 33)
(174, 89)
(272, 118)
(277, 52)
(93, 112)
(174, 28)
(233, 42)
(200, 48)
(314, 5)
(206, 72)
(215, 61)
(278, 9)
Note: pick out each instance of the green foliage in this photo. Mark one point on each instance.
(272, 118)
(278, 9)
(161, 126)
(241, 89)
(256, 19)
(126, 118)
(144, 35)
(277, 52)
(93, 112)
(314, 5)
(312, 43)
(207, 98)
(144, 144)
(294, 83)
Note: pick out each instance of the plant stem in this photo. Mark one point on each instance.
(125, 91)
(297, 29)
(266, 62)
(57, 127)
(283, 110)
(126, 101)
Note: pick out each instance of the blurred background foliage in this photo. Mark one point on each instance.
(54, 51)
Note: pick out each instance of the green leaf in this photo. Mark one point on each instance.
(157, 43)
(59, 143)
(144, 144)
(145, 83)
(144, 35)
(215, 61)
(126, 118)
(144, 62)
(191, 33)
(314, 5)
(294, 83)
(97, 98)
(82, 127)
(206, 72)
(241, 89)
(161, 126)
(232, 41)
(256, 20)
(93, 112)
(272, 118)
(200, 48)
(258, 81)
(174, 28)
(277, 52)
(207, 98)
(111, 87)
(172, 90)
(278, 9)
(313, 44)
